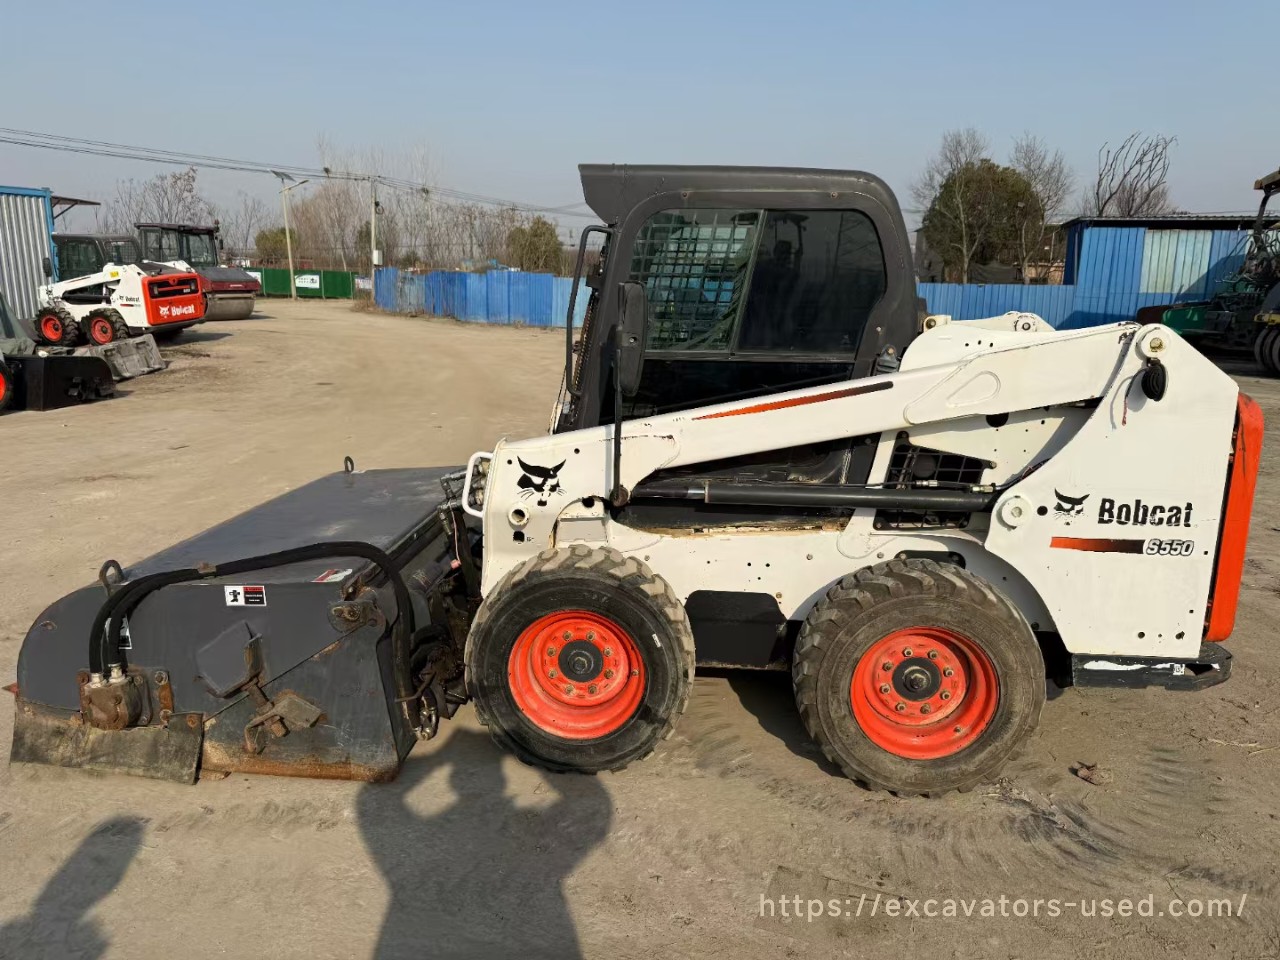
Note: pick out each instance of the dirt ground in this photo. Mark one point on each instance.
(472, 854)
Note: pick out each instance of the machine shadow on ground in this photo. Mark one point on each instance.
(767, 695)
(60, 923)
(192, 337)
(473, 875)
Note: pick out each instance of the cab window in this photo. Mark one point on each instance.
(768, 281)
(78, 257)
(694, 266)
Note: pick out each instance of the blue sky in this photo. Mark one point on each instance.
(508, 97)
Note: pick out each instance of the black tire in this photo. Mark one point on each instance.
(600, 582)
(1260, 348)
(1271, 352)
(66, 323)
(113, 321)
(6, 386)
(866, 608)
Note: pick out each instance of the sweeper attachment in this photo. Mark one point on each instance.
(765, 455)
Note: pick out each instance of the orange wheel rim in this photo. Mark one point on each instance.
(101, 331)
(51, 327)
(576, 675)
(924, 692)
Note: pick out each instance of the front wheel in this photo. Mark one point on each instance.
(57, 327)
(917, 677)
(580, 659)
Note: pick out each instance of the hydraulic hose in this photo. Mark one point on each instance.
(104, 634)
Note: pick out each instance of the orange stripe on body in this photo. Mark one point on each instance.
(1089, 545)
(799, 401)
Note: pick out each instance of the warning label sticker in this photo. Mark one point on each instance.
(245, 596)
(332, 574)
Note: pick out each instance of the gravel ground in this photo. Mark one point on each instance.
(472, 854)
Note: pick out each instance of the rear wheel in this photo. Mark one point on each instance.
(1271, 351)
(57, 327)
(106, 326)
(1259, 348)
(6, 386)
(917, 678)
(580, 659)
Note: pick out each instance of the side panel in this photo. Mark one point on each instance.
(1118, 532)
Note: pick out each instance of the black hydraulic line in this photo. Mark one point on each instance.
(816, 495)
(116, 608)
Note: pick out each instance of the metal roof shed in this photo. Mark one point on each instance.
(26, 228)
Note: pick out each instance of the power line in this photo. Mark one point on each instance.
(104, 148)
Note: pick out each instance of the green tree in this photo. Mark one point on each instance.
(978, 216)
(535, 247)
(270, 244)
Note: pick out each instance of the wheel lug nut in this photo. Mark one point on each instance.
(906, 652)
(608, 674)
(925, 708)
(947, 672)
(886, 665)
(551, 651)
(552, 674)
(959, 729)
(946, 694)
(884, 688)
(900, 707)
(567, 635)
(568, 688)
(592, 689)
(590, 635)
(635, 673)
(608, 651)
(933, 654)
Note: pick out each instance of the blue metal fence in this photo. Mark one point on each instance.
(969, 301)
(1112, 272)
(499, 296)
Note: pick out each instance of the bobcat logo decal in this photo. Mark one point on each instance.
(539, 482)
(1069, 506)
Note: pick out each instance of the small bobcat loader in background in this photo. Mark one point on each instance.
(122, 300)
(764, 457)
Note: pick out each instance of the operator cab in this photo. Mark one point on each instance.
(166, 242)
(748, 281)
(82, 254)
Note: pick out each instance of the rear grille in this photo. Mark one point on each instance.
(162, 287)
(913, 466)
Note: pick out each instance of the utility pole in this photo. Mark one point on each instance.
(288, 238)
(373, 227)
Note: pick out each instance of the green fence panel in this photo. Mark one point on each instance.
(338, 284)
(275, 282)
(326, 284)
(307, 283)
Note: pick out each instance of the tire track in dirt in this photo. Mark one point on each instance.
(1037, 824)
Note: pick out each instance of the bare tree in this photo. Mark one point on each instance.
(242, 222)
(952, 172)
(165, 198)
(1051, 182)
(1132, 178)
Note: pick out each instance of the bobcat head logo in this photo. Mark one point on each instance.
(1069, 506)
(539, 482)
